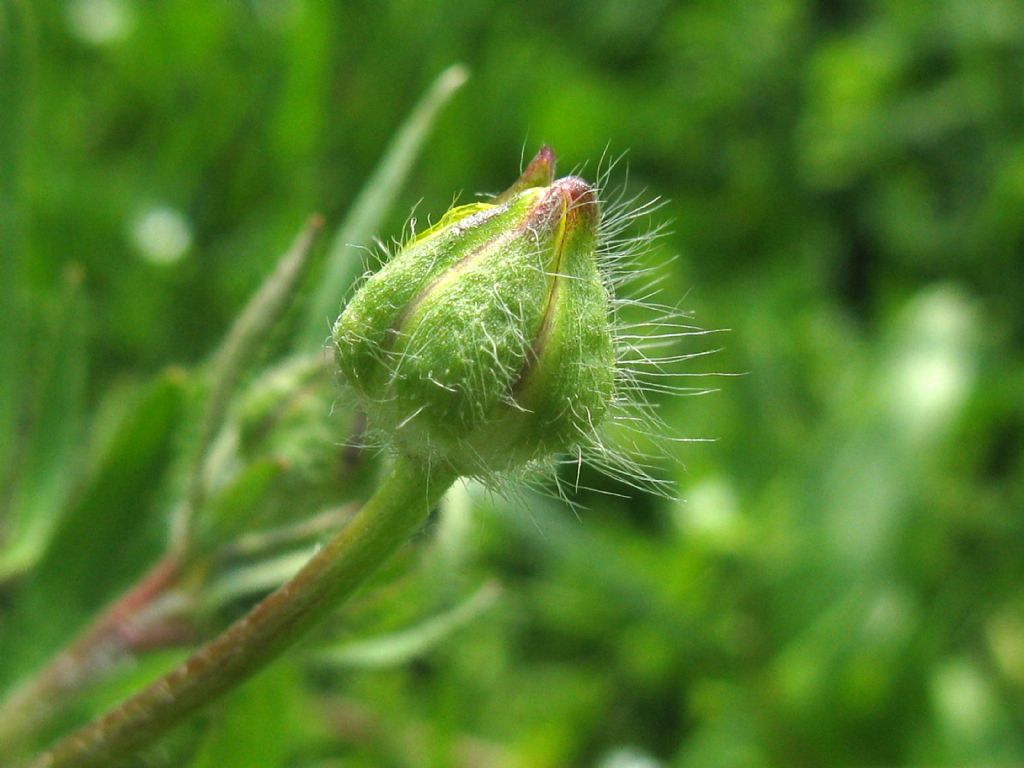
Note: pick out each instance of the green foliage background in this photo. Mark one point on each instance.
(840, 582)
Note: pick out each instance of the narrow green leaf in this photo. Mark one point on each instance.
(372, 204)
(16, 72)
(262, 312)
(401, 647)
(249, 580)
(108, 536)
(231, 508)
(51, 454)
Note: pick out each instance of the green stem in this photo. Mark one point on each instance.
(394, 513)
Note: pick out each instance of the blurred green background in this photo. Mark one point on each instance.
(841, 581)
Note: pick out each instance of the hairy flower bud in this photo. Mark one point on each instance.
(486, 342)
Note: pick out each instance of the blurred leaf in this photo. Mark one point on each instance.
(120, 682)
(228, 511)
(374, 200)
(16, 77)
(131, 678)
(262, 576)
(402, 647)
(110, 533)
(247, 333)
(263, 723)
(52, 454)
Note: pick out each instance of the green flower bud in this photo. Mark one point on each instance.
(486, 342)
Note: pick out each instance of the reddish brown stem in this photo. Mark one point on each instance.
(384, 523)
(116, 634)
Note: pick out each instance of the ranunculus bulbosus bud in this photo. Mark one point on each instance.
(486, 341)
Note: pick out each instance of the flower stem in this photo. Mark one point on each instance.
(394, 513)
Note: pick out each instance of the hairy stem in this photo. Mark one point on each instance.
(122, 628)
(395, 512)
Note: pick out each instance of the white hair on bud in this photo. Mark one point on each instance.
(632, 442)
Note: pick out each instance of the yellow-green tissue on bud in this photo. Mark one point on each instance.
(485, 342)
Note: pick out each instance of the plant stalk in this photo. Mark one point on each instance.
(108, 640)
(386, 521)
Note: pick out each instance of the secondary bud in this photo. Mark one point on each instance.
(485, 342)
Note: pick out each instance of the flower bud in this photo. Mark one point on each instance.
(485, 342)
